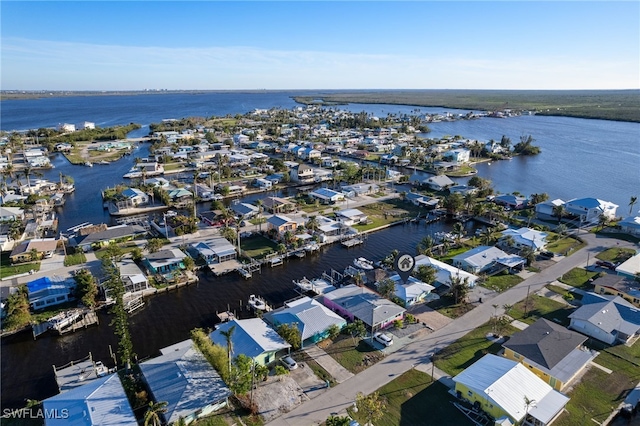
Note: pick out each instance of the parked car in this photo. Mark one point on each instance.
(606, 264)
(383, 338)
(289, 362)
(547, 254)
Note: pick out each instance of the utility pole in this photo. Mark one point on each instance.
(526, 301)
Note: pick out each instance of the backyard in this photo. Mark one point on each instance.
(257, 246)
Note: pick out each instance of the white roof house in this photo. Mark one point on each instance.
(99, 402)
(184, 379)
(482, 258)
(413, 291)
(526, 237)
(445, 272)
(630, 267)
(504, 384)
(310, 316)
(439, 182)
(590, 209)
(630, 225)
(252, 337)
(544, 210)
(351, 217)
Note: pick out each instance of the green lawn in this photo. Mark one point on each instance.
(8, 270)
(257, 246)
(446, 307)
(501, 282)
(541, 307)
(565, 246)
(579, 277)
(412, 398)
(45, 314)
(355, 358)
(75, 259)
(616, 254)
(564, 292)
(468, 349)
(101, 253)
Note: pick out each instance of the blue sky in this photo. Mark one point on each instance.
(124, 45)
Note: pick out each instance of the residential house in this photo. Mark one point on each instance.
(312, 318)
(38, 247)
(281, 224)
(550, 351)
(132, 197)
(589, 210)
(439, 182)
(359, 189)
(462, 189)
(213, 251)
(309, 154)
(133, 278)
(545, 210)
(277, 205)
(411, 292)
(524, 237)
(422, 200)
(302, 173)
(351, 217)
(328, 227)
(499, 386)
(484, 258)
(326, 195)
(630, 268)
(609, 319)
(45, 292)
(7, 237)
(459, 155)
(618, 285)
(10, 214)
(244, 210)
(511, 201)
(264, 184)
(445, 273)
(102, 401)
(630, 225)
(66, 127)
(253, 338)
(180, 196)
(354, 302)
(165, 261)
(100, 238)
(183, 378)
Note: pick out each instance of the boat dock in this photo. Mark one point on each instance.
(89, 318)
(133, 304)
(352, 242)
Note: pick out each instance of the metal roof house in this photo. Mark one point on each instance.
(552, 352)
(588, 210)
(326, 195)
(253, 338)
(483, 258)
(310, 316)
(439, 182)
(606, 318)
(361, 303)
(445, 272)
(183, 378)
(165, 261)
(499, 387)
(45, 292)
(526, 237)
(413, 291)
(100, 402)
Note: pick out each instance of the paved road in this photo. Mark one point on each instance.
(339, 398)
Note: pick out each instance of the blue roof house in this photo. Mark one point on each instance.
(45, 292)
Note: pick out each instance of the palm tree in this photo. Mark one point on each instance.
(527, 404)
(559, 211)
(227, 335)
(632, 202)
(459, 231)
(260, 203)
(312, 224)
(155, 410)
(529, 214)
(425, 246)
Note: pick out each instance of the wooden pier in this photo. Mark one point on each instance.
(89, 318)
(352, 242)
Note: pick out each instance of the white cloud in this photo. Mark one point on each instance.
(35, 64)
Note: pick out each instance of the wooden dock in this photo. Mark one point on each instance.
(89, 318)
(352, 242)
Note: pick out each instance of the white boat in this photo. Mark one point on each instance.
(88, 164)
(363, 263)
(276, 261)
(64, 319)
(258, 303)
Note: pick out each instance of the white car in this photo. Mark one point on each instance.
(289, 362)
(383, 338)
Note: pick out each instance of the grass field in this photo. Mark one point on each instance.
(541, 307)
(501, 282)
(258, 246)
(565, 246)
(412, 398)
(8, 270)
(74, 259)
(354, 357)
(579, 278)
(622, 105)
(616, 254)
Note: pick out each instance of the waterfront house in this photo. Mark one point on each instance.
(102, 237)
(133, 278)
(36, 248)
(630, 268)
(102, 401)
(131, 197)
(359, 189)
(263, 184)
(328, 227)
(422, 200)
(326, 196)
(618, 285)
(310, 317)
(281, 224)
(165, 261)
(524, 237)
(545, 210)
(412, 292)
(462, 189)
(351, 217)
(354, 302)
(589, 210)
(550, 351)
(213, 251)
(439, 182)
(458, 155)
(253, 338)
(183, 378)
(45, 292)
(511, 201)
(277, 205)
(610, 319)
(487, 259)
(244, 210)
(180, 196)
(630, 225)
(499, 386)
(302, 173)
(445, 273)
